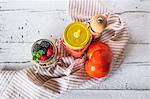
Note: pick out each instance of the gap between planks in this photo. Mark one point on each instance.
(65, 11)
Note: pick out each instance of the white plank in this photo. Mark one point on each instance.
(48, 5)
(139, 24)
(128, 6)
(15, 55)
(136, 66)
(35, 25)
(35, 5)
(107, 94)
(21, 52)
(28, 27)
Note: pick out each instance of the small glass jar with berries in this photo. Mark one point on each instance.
(44, 53)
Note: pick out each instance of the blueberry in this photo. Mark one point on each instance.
(45, 44)
(36, 48)
(44, 49)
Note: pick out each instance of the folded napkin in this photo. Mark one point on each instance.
(52, 82)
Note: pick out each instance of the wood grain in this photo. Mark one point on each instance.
(21, 53)
(28, 27)
(107, 94)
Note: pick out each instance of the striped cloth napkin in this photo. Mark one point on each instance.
(51, 83)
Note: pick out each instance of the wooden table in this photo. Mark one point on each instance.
(23, 22)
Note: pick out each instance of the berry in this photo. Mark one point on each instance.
(45, 44)
(44, 49)
(43, 58)
(51, 47)
(49, 52)
(36, 47)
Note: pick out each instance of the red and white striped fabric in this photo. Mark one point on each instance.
(52, 82)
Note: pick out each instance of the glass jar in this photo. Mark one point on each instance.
(77, 38)
(44, 53)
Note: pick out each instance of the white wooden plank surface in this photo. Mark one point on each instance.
(23, 22)
(32, 25)
(107, 94)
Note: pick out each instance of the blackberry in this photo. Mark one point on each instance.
(45, 44)
(44, 50)
(36, 48)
